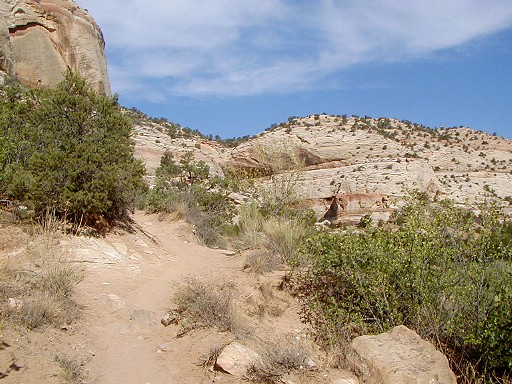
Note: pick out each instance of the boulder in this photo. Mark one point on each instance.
(40, 40)
(400, 356)
(236, 359)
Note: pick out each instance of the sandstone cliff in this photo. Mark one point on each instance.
(40, 39)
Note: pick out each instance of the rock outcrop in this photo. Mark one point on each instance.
(41, 39)
(371, 164)
(399, 357)
(364, 158)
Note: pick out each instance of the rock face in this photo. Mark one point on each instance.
(399, 357)
(364, 158)
(371, 165)
(40, 39)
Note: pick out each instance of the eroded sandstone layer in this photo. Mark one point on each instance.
(41, 39)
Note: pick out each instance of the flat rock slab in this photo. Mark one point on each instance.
(400, 356)
(144, 317)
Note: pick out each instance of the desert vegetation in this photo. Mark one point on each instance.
(208, 304)
(442, 270)
(67, 150)
(37, 287)
(185, 189)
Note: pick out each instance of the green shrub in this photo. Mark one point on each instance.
(445, 272)
(185, 188)
(67, 149)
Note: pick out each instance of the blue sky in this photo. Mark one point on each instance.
(234, 67)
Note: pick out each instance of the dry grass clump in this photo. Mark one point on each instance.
(280, 240)
(250, 223)
(273, 241)
(281, 357)
(283, 237)
(208, 304)
(261, 261)
(264, 301)
(36, 285)
(72, 369)
(208, 360)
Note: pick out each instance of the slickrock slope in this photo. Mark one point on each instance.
(152, 139)
(362, 160)
(360, 157)
(40, 39)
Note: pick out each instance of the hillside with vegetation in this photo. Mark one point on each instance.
(318, 230)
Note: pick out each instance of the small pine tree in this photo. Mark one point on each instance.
(68, 149)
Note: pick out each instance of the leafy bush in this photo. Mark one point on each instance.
(445, 272)
(67, 149)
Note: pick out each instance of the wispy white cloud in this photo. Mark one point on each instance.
(159, 48)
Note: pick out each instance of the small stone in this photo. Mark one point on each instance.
(165, 347)
(14, 303)
(309, 364)
(112, 301)
(170, 318)
(143, 317)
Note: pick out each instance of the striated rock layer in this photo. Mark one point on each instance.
(364, 165)
(40, 39)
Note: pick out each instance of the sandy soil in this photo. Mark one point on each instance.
(128, 286)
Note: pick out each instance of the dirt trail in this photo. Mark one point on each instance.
(129, 282)
(125, 301)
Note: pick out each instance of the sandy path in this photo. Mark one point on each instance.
(129, 280)
(123, 332)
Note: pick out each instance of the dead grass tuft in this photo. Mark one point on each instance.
(209, 304)
(208, 361)
(279, 358)
(264, 302)
(72, 369)
(283, 237)
(261, 261)
(36, 286)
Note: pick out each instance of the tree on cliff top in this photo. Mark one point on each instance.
(67, 149)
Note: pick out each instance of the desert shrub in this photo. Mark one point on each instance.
(72, 369)
(37, 290)
(445, 272)
(278, 358)
(185, 187)
(208, 304)
(67, 149)
(273, 240)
